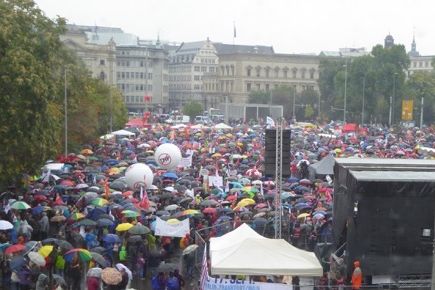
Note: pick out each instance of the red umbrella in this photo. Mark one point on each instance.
(14, 249)
(67, 182)
(261, 205)
(39, 198)
(209, 210)
(231, 198)
(127, 193)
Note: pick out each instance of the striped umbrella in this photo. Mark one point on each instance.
(83, 254)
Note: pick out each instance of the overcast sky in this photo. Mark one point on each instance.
(290, 26)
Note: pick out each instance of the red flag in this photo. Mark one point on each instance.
(145, 202)
(147, 99)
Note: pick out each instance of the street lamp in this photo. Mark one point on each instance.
(363, 100)
(394, 94)
(65, 96)
(345, 93)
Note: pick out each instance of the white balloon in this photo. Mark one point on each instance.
(167, 156)
(139, 175)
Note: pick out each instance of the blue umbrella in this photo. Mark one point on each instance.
(105, 222)
(37, 210)
(17, 263)
(302, 205)
(112, 162)
(292, 179)
(170, 175)
(111, 238)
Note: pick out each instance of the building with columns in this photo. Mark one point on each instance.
(419, 62)
(243, 69)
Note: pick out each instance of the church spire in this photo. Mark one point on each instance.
(413, 51)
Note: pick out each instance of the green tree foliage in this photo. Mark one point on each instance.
(32, 62)
(192, 109)
(259, 97)
(380, 75)
(422, 84)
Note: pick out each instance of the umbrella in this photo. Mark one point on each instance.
(209, 210)
(99, 202)
(166, 267)
(111, 276)
(303, 215)
(111, 238)
(83, 254)
(20, 205)
(123, 227)
(130, 213)
(190, 212)
(14, 249)
(65, 245)
(209, 202)
(81, 186)
(58, 219)
(87, 223)
(17, 263)
(37, 258)
(139, 229)
(99, 259)
(171, 207)
(171, 175)
(245, 202)
(94, 272)
(190, 249)
(77, 216)
(162, 213)
(5, 225)
(135, 239)
(172, 221)
(45, 251)
(104, 222)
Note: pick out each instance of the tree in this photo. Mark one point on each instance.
(422, 84)
(259, 97)
(32, 65)
(192, 109)
(308, 112)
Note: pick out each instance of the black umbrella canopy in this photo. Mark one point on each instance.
(135, 239)
(166, 267)
(139, 229)
(99, 259)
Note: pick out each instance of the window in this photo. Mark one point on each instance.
(141, 75)
(196, 68)
(150, 87)
(203, 69)
(294, 72)
(102, 62)
(141, 63)
(285, 73)
(267, 87)
(127, 75)
(258, 72)
(303, 73)
(137, 75)
(312, 73)
(196, 78)
(137, 87)
(248, 71)
(248, 87)
(150, 76)
(211, 69)
(258, 87)
(127, 63)
(267, 72)
(118, 75)
(102, 76)
(196, 87)
(276, 72)
(137, 99)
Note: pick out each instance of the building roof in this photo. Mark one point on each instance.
(74, 27)
(188, 47)
(105, 37)
(223, 48)
(330, 53)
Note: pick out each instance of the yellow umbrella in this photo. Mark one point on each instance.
(216, 155)
(190, 212)
(113, 171)
(245, 202)
(303, 215)
(124, 227)
(87, 152)
(173, 221)
(45, 251)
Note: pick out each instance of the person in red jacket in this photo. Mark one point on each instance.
(356, 276)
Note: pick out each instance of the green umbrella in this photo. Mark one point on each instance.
(130, 213)
(20, 205)
(139, 229)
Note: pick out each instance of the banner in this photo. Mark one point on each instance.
(216, 181)
(186, 161)
(235, 284)
(407, 110)
(166, 229)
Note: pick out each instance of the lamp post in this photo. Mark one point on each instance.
(363, 100)
(394, 97)
(294, 103)
(345, 93)
(65, 97)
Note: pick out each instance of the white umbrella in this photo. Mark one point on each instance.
(5, 225)
(37, 258)
(190, 249)
(222, 126)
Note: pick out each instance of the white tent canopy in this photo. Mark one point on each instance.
(122, 133)
(236, 236)
(244, 252)
(261, 256)
(223, 126)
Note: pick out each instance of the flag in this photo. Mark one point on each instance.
(235, 34)
(147, 99)
(270, 122)
(145, 202)
(204, 270)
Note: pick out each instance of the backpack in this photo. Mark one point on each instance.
(173, 283)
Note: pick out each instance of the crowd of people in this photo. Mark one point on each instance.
(79, 225)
